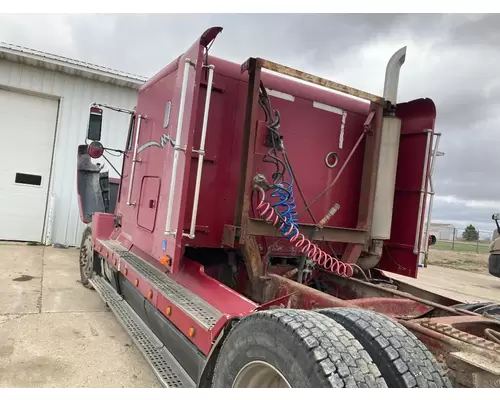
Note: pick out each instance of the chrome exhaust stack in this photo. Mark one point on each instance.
(388, 154)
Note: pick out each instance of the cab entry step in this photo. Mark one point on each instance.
(164, 365)
(196, 307)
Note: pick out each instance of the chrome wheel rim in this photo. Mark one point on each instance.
(260, 374)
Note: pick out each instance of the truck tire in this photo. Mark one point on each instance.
(87, 259)
(403, 360)
(293, 348)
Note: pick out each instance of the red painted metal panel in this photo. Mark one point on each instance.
(156, 154)
(220, 296)
(398, 256)
(148, 202)
(171, 245)
(309, 133)
(216, 206)
(151, 103)
(102, 225)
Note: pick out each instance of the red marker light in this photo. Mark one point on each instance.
(95, 110)
(95, 150)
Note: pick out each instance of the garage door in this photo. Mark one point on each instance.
(27, 130)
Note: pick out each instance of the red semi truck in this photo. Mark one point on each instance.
(257, 209)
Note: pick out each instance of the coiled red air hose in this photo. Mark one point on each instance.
(312, 251)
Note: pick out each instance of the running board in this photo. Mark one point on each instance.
(164, 365)
(192, 305)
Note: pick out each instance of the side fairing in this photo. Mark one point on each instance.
(401, 252)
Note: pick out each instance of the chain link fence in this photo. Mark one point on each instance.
(462, 240)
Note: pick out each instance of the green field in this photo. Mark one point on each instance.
(461, 246)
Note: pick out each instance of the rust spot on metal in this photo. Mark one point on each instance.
(306, 296)
(229, 235)
(251, 254)
(281, 301)
(393, 307)
(445, 327)
(358, 283)
(246, 65)
(467, 363)
(295, 73)
(259, 227)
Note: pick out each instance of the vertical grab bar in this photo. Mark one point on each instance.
(425, 239)
(201, 153)
(134, 161)
(177, 148)
(416, 247)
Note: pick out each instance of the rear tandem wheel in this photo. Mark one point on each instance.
(293, 348)
(403, 360)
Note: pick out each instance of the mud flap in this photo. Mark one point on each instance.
(399, 255)
(90, 197)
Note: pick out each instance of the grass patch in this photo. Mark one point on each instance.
(466, 247)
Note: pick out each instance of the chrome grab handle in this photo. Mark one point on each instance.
(168, 231)
(201, 153)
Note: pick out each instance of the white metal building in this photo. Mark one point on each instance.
(442, 231)
(44, 109)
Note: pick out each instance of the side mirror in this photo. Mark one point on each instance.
(496, 217)
(95, 124)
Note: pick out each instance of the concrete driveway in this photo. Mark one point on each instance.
(56, 333)
(463, 286)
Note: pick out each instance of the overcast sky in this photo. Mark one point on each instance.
(453, 59)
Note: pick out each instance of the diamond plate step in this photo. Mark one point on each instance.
(183, 298)
(164, 365)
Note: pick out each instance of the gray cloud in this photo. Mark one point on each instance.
(461, 214)
(452, 59)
